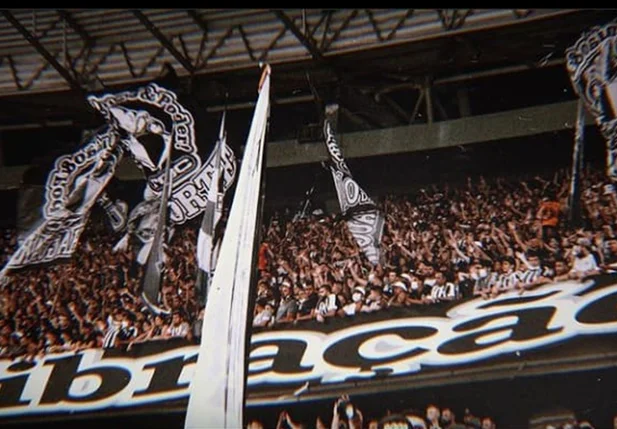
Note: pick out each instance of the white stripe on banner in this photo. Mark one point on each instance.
(217, 390)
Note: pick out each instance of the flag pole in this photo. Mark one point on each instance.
(574, 203)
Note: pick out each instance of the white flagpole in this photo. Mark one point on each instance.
(217, 389)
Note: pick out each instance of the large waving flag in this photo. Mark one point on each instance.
(73, 187)
(207, 238)
(364, 219)
(592, 65)
(217, 391)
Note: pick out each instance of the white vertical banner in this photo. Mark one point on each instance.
(217, 389)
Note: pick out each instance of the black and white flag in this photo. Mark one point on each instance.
(151, 281)
(73, 187)
(364, 219)
(592, 65)
(207, 237)
(153, 123)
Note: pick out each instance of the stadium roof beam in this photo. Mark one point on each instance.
(72, 22)
(197, 19)
(310, 46)
(164, 41)
(66, 75)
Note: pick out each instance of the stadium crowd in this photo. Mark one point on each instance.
(440, 244)
(93, 300)
(484, 237)
(348, 415)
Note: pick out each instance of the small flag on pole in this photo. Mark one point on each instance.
(207, 237)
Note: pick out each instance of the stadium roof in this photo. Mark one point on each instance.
(375, 62)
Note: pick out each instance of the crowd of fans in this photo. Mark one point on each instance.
(484, 237)
(347, 415)
(93, 299)
(441, 244)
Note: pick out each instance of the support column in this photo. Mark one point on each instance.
(429, 100)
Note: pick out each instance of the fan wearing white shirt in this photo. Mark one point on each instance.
(584, 263)
(327, 303)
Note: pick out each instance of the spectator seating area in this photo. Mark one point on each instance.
(482, 237)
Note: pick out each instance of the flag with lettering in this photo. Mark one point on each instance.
(364, 219)
(207, 237)
(592, 65)
(72, 188)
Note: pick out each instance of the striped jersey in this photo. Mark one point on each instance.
(507, 281)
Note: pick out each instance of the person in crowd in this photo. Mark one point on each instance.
(178, 327)
(127, 332)
(532, 274)
(355, 305)
(307, 303)
(399, 296)
(346, 414)
(610, 254)
(375, 300)
(488, 423)
(287, 306)
(158, 327)
(285, 422)
(264, 313)
(442, 291)
(327, 303)
(433, 414)
(584, 262)
(508, 279)
(197, 326)
(255, 424)
(144, 334)
(549, 214)
(113, 326)
(416, 289)
(561, 270)
(481, 277)
(448, 419)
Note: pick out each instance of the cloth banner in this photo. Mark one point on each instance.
(72, 188)
(364, 220)
(151, 282)
(592, 65)
(213, 211)
(207, 238)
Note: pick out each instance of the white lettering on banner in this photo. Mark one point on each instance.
(591, 65)
(73, 186)
(473, 331)
(68, 168)
(189, 177)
